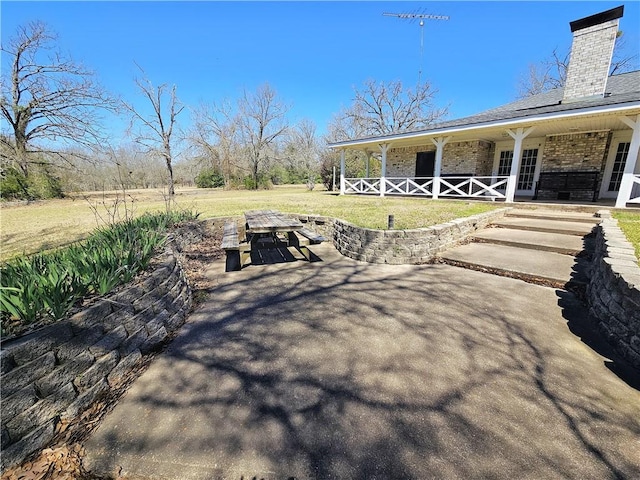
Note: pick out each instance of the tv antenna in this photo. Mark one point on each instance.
(421, 17)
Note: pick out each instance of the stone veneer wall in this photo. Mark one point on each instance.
(613, 292)
(398, 247)
(54, 374)
(475, 157)
(572, 152)
(467, 157)
(401, 162)
(575, 152)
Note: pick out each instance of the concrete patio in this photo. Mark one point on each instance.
(338, 369)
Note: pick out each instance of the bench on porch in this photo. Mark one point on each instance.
(301, 239)
(581, 185)
(237, 252)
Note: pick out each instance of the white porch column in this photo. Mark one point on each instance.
(626, 184)
(383, 170)
(519, 135)
(439, 142)
(367, 163)
(342, 186)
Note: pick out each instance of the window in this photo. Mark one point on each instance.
(506, 157)
(527, 166)
(527, 169)
(618, 166)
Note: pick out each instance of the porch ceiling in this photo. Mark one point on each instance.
(496, 131)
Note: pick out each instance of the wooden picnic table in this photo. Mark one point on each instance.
(270, 221)
(266, 229)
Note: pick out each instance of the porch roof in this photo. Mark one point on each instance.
(545, 111)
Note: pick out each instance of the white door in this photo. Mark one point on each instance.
(616, 160)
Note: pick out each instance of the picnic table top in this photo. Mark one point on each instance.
(269, 221)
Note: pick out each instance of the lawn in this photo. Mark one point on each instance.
(50, 224)
(53, 223)
(630, 224)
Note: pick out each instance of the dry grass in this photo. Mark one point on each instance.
(45, 225)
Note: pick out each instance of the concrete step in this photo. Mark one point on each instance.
(545, 225)
(540, 241)
(545, 214)
(546, 268)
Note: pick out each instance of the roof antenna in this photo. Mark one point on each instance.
(413, 17)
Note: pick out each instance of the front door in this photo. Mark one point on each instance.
(425, 164)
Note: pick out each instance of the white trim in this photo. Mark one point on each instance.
(342, 169)
(507, 123)
(623, 136)
(627, 186)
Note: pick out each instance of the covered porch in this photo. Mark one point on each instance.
(587, 156)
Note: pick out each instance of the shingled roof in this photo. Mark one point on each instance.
(622, 90)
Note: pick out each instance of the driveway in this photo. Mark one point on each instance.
(338, 369)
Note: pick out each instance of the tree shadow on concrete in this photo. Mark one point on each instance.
(347, 370)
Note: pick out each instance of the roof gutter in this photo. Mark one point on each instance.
(518, 121)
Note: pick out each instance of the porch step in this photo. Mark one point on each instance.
(546, 225)
(540, 241)
(542, 267)
(548, 214)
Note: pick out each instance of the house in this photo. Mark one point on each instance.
(577, 143)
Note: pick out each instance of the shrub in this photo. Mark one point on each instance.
(13, 184)
(209, 178)
(39, 184)
(47, 285)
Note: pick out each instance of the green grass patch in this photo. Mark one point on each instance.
(40, 226)
(43, 288)
(629, 222)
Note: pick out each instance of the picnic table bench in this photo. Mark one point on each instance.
(237, 252)
(301, 239)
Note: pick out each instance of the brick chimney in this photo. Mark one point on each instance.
(591, 52)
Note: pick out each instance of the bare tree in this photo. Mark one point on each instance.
(215, 135)
(551, 72)
(302, 150)
(47, 99)
(155, 131)
(384, 108)
(261, 121)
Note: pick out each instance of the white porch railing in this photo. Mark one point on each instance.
(362, 185)
(493, 187)
(409, 186)
(635, 190)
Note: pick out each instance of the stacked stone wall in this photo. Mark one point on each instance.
(613, 292)
(51, 376)
(412, 247)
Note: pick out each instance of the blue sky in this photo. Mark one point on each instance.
(313, 53)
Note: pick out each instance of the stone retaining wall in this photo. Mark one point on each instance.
(54, 374)
(614, 290)
(415, 246)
